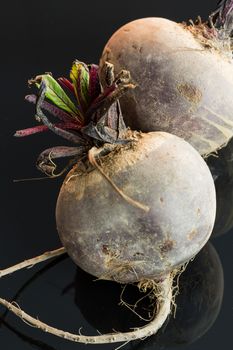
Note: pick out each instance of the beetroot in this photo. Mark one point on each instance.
(184, 77)
(112, 238)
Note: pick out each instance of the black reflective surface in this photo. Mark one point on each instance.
(47, 36)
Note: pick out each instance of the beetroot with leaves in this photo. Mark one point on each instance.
(136, 207)
(161, 214)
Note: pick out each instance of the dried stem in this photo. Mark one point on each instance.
(222, 17)
(163, 308)
(46, 164)
(33, 261)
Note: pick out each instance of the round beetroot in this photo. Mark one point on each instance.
(184, 76)
(168, 219)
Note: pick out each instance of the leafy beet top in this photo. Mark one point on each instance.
(88, 114)
(91, 115)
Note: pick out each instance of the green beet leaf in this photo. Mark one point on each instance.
(79, 75)
(57, 95)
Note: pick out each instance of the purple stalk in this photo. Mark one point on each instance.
(100, 100)
(67, 84)
(225, 10)
(42, 128)
(55, 111)
(223, 16)
(94, 83)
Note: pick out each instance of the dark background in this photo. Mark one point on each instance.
(43, 36)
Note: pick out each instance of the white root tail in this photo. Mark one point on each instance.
(33, 261)
(163, 307)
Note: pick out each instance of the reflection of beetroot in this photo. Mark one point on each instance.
(198, 304)
(99, 302)
(184, 76)
(222, 171)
